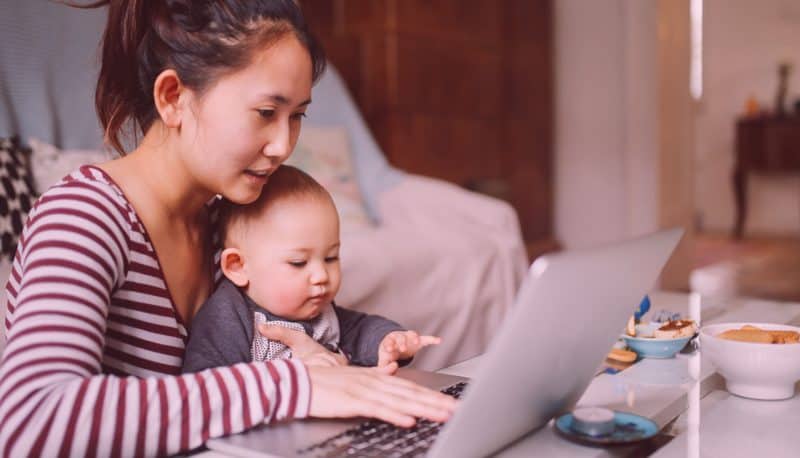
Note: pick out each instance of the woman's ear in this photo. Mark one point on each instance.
(232, 264)
(167, 90)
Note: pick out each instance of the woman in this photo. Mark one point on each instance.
(115, 260)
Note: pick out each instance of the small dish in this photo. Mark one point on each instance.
(628, 429)
(649, 347)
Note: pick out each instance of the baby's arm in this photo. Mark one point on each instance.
(361, 335)
(220, 334)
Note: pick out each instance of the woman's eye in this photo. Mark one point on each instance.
(332, 259)
(266, 113)
(297, 263)
(298, 116)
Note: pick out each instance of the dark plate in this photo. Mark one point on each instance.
(629, 428)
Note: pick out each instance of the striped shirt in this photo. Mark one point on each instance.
(95, 345)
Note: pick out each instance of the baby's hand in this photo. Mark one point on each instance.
(399, 345)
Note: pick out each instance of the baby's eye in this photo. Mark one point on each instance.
(332, 259)
(297, 264)
(266, 113)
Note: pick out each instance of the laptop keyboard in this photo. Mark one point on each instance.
(375, 438)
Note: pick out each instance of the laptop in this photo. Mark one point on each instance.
(568, 312)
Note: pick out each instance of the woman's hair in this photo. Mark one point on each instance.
(201, 40)
(286, 182)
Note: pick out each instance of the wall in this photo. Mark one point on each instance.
(675, 136)
(456, 90)
(606, 143)
(624, 125)
(744, 40)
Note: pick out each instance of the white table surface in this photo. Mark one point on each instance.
(731, 426)
(663, 390)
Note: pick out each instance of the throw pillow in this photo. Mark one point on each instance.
(324, 153)
(50, 164)
(16, 193)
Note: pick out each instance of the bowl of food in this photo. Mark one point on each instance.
(659, 340)
(757, 360)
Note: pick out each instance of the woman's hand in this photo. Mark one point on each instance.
(341, 392)
(303, 347)
(400, 345)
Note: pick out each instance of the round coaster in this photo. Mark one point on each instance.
(628, 429)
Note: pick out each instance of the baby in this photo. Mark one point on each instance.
(281, 267)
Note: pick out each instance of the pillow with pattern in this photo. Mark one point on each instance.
(50, 164)
(16, 193)
(324, 153)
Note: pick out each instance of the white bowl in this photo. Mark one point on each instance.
(753, 370)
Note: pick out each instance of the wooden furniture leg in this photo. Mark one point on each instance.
(740, 192)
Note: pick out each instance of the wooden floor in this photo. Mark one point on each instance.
(767, 267)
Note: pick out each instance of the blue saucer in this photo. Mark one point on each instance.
(629, 428)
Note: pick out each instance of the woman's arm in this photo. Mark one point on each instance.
(54, 398)
(348, 391)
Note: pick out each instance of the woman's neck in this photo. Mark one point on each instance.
(155, 175)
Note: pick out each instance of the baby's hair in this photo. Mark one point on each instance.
(287, 182)
(201, 40)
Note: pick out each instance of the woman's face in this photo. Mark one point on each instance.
(247, 123)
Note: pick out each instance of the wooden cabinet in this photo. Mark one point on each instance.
(764, 144)
(455, 89)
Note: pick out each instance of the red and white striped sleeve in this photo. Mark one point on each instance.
(54, 398)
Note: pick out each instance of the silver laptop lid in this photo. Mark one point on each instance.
(566, 317)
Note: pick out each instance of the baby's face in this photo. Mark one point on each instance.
(291, 257)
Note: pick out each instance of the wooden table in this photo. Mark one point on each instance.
(764, 144)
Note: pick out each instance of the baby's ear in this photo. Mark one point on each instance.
(232, 264)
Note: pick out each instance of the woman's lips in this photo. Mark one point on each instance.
(257, 176)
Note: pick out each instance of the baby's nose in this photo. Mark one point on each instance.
(319, 275)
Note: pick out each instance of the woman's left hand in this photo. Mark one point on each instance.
(303, 346)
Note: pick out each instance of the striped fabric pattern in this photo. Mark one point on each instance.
(94, 351)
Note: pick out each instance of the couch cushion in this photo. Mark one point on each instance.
(324, 153)
(49, 64)
(334, 107)
(16, 193)
(50, 164)
(5, 271)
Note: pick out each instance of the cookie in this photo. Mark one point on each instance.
(784, 337)
(750, 333)
(630, 329)
(675, 329)
(747, 335)
(623, 356)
